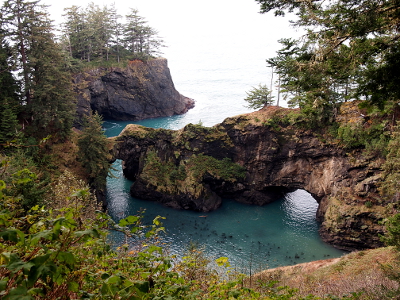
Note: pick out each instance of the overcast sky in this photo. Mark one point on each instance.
(192, 17)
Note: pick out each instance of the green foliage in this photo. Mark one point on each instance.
(8, 122)
(96, 34)
(390, 186)
(29, 186)
(94, 152)
(368, 204)
(50, 256)
(189, 174)
(259, 97)
(53, 105)
(374, 138)
(392, 237)
(8, 97)
(274, 122)
(350, 50)
(224, 169)
(47, 103)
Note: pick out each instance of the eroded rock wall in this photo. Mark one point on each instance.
(274, 160)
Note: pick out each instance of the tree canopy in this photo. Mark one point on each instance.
(350, 50)
(95, 33)
(46, 104)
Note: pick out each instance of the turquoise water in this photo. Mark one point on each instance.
(282, 233)
(216, 63)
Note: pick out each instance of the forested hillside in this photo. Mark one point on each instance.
(53, 231)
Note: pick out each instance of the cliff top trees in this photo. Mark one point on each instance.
(96, 33)
(139, 38)
(350, 50)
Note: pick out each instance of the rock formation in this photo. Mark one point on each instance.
(256, 158)
(139, 91)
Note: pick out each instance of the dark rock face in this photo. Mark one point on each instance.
(206, 201)
(141, 90)
(275, 162)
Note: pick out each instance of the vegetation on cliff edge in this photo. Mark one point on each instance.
(53, 235)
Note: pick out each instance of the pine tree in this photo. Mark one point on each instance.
(94, 152)
(16, 24)
(8, 121)
(49, 103)
(75, 32)
(259, 97)
(140, 39)
(94, 33)
(134, 32)
(117, 29)
(9, 98)
(350, 50)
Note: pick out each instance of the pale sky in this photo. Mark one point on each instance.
(192, 17)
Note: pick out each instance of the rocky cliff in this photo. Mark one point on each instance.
(139, 91)
(257, 158)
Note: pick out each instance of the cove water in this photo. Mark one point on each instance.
(282, 233)
(216, 53)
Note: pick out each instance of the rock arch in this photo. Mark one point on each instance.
(276, 160)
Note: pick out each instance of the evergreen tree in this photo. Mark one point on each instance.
(53, 106)
(94, 152)
(8, 97)
(259, 97)
(117, 29)
(49, 103)
(94, 33)
(99, 31)
(16, 24)
(75, 32)
(8, 121)
(350, 51)
(139, 38)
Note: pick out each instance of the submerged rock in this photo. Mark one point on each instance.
(139, 91)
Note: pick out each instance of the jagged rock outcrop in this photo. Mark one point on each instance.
(139, 91)
(254, 159)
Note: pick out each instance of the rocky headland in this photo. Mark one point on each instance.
(138, 91)
(256, 158)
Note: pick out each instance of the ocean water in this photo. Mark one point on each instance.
(281, 233)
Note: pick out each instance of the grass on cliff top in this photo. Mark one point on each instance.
(366, 272)
(270, 112)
